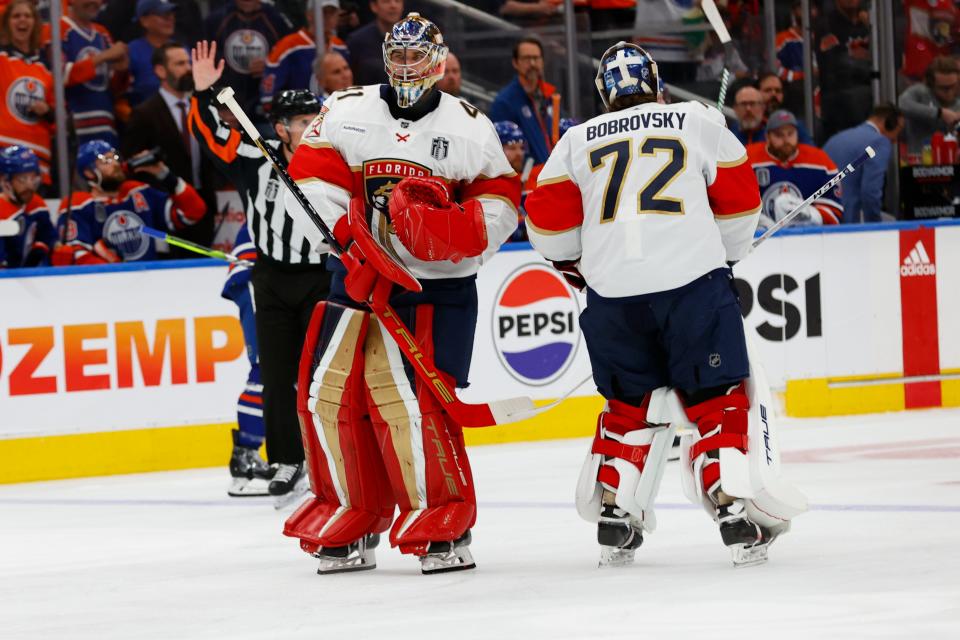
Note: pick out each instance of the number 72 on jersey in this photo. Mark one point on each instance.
(619, 155)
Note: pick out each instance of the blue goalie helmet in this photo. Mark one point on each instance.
(17, 159)
(626, 69)
(415, 57)
(509, 132)
(89, 152)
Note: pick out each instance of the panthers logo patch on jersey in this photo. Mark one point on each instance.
(381, 176)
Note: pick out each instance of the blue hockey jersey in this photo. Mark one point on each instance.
(108, 229)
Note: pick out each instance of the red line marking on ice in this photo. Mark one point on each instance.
(906, 450)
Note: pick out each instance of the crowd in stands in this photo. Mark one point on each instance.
(128, 88)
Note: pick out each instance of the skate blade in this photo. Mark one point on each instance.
(460, 559)
(744, 556)
(244, 488)
(345, 565)
(615, 557)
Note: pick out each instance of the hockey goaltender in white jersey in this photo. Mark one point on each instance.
(424, 174)
(645, 206)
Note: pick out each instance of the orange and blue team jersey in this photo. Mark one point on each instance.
(27, 81)
(290, 64)
(802, 175)
(108, 229)
(31, 247)
(89, 89)
(790, 55)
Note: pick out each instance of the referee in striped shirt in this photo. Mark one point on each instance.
(289, 277)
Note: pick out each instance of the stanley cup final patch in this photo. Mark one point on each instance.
(439, 148)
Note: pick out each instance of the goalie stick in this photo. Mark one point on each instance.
(465, 414)
(868, 153)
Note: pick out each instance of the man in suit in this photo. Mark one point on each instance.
(161, 121)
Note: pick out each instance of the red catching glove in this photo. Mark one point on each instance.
(431, 226)
(570, 270)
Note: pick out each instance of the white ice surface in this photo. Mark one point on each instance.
(168, 555)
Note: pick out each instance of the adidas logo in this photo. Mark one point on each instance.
(918, 262)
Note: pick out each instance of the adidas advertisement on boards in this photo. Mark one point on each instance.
(918, 313)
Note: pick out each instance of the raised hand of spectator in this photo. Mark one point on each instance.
(206, 70)
(257, 66)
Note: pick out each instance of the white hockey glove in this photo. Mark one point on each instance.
(787, 202)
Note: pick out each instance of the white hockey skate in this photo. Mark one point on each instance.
(443, 557)
(358, 556)
(289, 484)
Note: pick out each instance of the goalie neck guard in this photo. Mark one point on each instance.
(626, 69)
(414, 57)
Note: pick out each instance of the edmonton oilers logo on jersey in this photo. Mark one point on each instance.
(242, 47)
(535, 332)
(102, 79)
(122, 232)
(23, 93)
(776, 190)
(381, 176)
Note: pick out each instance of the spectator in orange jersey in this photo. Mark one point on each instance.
(789, 172)
(291, 61)
(26, 115)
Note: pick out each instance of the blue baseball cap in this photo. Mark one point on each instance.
(154, 7)
(781, 118)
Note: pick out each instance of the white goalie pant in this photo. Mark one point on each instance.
(627, 458)
(754, 476)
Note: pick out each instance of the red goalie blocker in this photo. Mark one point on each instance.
(431, 226)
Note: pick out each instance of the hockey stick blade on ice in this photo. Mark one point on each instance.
(465, 414)
(830, 184)
(191, 246)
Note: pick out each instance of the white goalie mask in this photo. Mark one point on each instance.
(415, 58)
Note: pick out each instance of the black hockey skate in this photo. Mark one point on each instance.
(618, 538)
(357, 556)
(748, 542)
(443, 557)
(289, 483)
(249, 472)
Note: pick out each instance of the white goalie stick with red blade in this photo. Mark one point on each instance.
(465, 414)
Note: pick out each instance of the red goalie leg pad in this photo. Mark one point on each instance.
(353, 496)
(423, 450)
(722, 422)
(619, 419)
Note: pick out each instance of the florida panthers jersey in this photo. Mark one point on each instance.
(108, 229)
(800, 176)
(31, 247)
(648, 198)
(355, 147)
